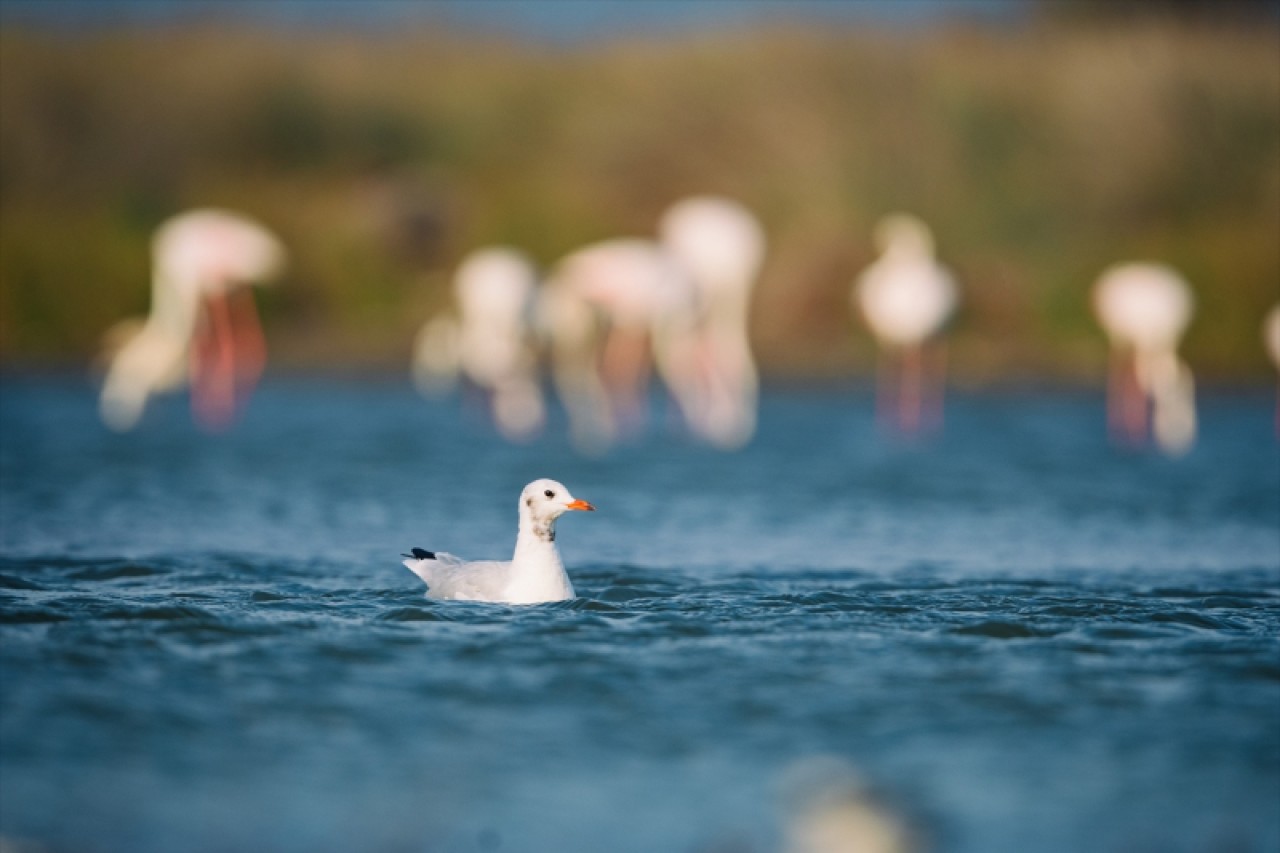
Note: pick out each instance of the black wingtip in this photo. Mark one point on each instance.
(420, 554)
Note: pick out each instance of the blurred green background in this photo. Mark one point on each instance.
(1041, 149)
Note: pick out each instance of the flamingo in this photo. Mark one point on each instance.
(720, 246)
(1271, 338)
(906, 297)
(203, 326)
(612, 310)
(490, 340)
(1144, 308)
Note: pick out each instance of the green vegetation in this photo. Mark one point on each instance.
(1039, 154)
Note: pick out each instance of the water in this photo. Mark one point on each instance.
(1021, 638)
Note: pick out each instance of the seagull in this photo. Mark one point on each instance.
(533, 576)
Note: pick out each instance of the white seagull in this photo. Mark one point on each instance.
(534, 575)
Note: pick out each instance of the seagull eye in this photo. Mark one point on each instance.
(549, 493)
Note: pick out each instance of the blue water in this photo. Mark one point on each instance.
(1023, 639)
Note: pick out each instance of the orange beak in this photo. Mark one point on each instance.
(581, 505)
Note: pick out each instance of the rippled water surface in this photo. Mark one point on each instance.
(1022, 639)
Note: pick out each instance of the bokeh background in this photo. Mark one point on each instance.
(1043, 141)
(1018, 633)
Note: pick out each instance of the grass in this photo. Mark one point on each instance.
(1040, 155)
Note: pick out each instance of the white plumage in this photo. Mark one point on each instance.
(1145, 309)
(905, 296)
(1145, 306)
(535, 574)
(612, 310)
(489, 340)
(201, 260)
(720, 245)
(1271, 335)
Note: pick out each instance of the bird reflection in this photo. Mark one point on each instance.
(1145, 309)
(203, 326)
(906, 297)
(489, 341)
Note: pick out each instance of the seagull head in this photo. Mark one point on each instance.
(547, 500)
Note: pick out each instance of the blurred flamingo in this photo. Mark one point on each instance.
(203, 326)
(489, 341)
(720, 246)
(1271, 338)
(1145, 308)
(611, 311)
(906, 297)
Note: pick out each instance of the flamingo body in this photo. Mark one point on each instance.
(720, 246)
(199, 259)
(488, 340)
(1145, 308)
(906, 297)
